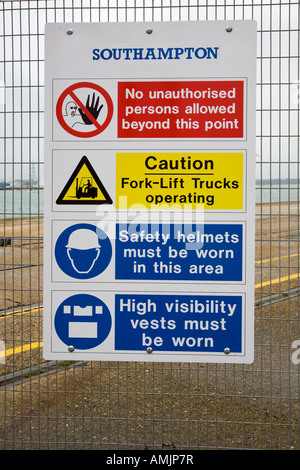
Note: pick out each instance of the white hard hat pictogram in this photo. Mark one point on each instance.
(83, 239)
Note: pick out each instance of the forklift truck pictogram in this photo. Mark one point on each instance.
(86, 188)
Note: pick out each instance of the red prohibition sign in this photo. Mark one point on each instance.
(70, 92)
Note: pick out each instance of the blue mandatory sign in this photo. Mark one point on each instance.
(168, 252)
(195, 323)
(83, 321)
(83, 251)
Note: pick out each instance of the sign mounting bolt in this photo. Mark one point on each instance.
(227, 351)
(149, 350)
(229, 29)
(69, 31)
(149, 30)
(71, 349)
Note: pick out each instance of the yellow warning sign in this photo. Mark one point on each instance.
(165, 180)
(84, 187)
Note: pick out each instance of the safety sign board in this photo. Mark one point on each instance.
(181, 109)
(165, 180)
(173, 252)
(181, 253)
(84, 320)
(214, 322)
(184, 324)
(81, 107)
(149, 207)
(83, 251)
(84, 187)
(180, 180)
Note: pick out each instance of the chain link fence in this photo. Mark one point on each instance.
(111, 405)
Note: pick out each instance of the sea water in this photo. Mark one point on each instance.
(30, 202)
(21, 203)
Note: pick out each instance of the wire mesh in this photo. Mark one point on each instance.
(99, 405)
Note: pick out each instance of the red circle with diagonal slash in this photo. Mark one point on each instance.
(70, 91)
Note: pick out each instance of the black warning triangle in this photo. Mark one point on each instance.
(84, 187)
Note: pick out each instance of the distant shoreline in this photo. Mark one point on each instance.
(258, 183)
(21, 188)
(40, 217)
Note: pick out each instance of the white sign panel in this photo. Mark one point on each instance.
(149, 191)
